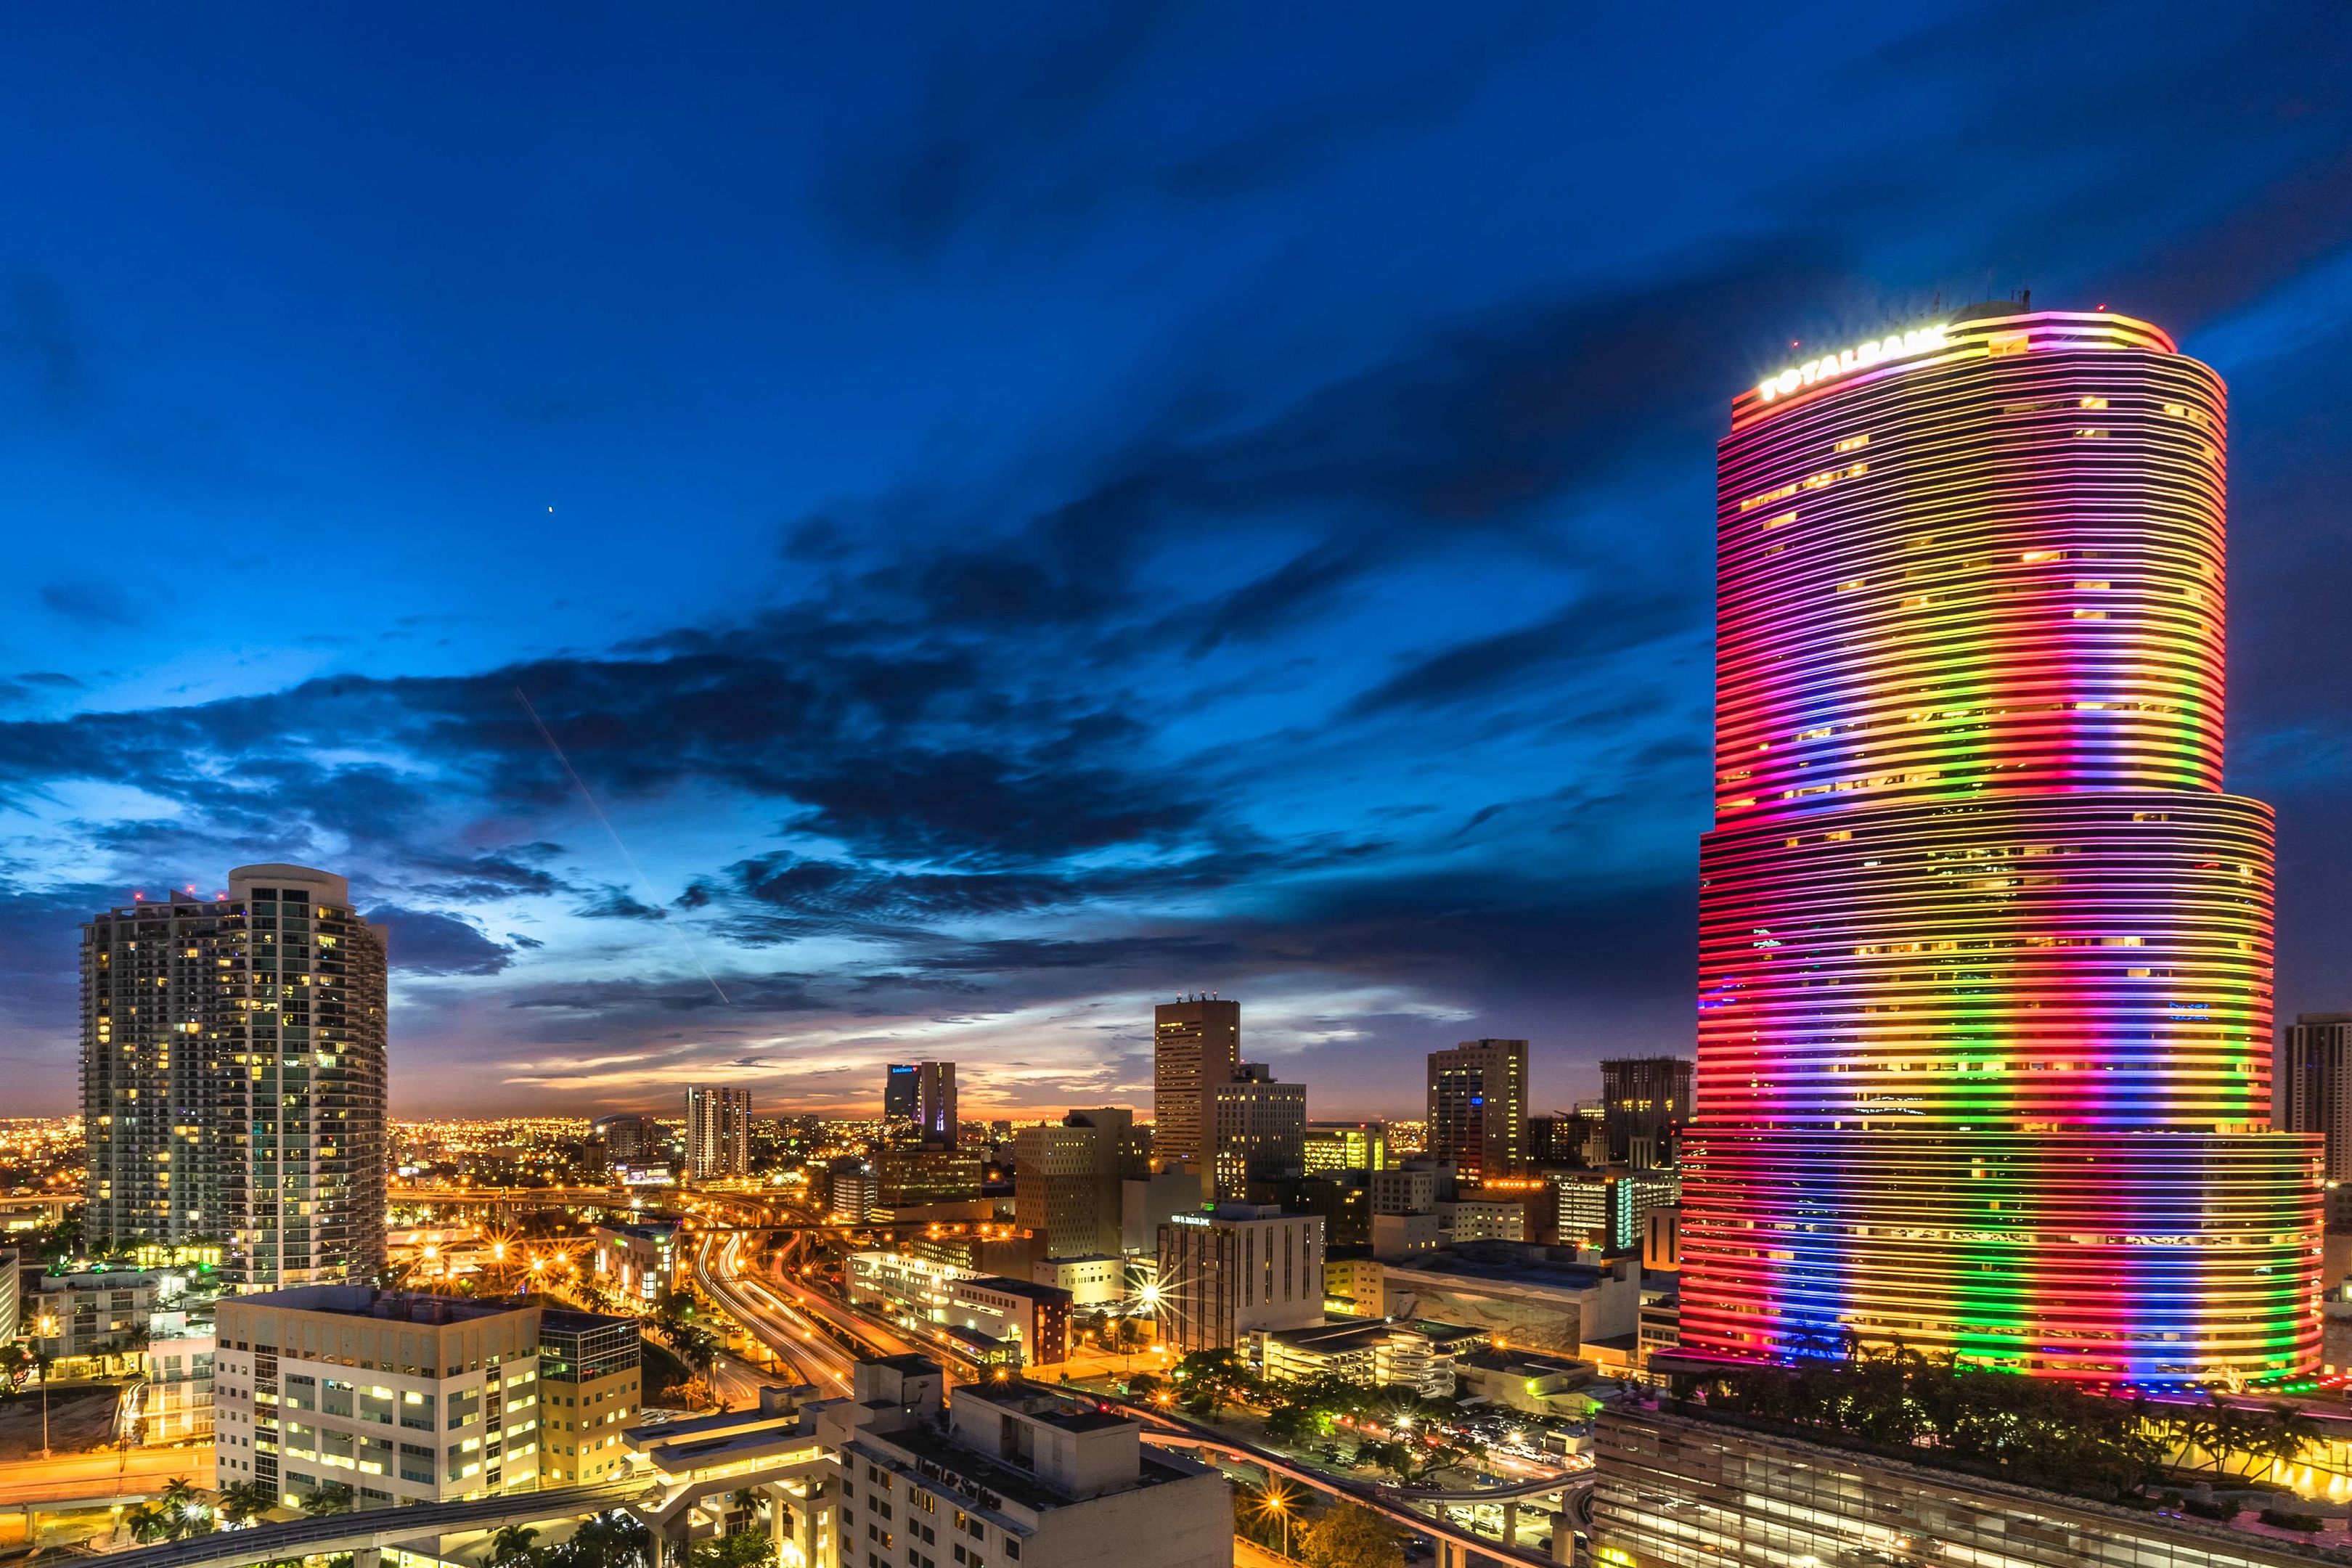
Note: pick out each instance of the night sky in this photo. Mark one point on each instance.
(1020, 511)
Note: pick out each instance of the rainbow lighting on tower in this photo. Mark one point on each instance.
(1984, 949)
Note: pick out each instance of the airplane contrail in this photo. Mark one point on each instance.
(645, 883)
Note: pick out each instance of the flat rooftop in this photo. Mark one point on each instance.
(366, 1301)
(1043, 1405)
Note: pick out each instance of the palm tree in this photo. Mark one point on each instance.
(331, 1499)
(242, 1502)
(510, 1545)
(148, 1523)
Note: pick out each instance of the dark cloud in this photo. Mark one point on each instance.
(1485, 667)
(89, 600)
(482, 878)
(618, 904)
(34, 335)
(427, 942)
(984, 121)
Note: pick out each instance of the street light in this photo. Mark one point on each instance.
(47, 1329)
(1277, 1503)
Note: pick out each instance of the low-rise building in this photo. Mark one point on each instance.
(1526, 1296)
(909, 1286)
(1481, 1219)
(1093, 1281)
(176, 1403)
(590, 1386)
(1034, 1318)
(1681, 1491)
(399, 1397)
(1010, 1476)
(95, 1314)
(1401, 1238)
(1357, 1287)
(1377, 1353)
(640, 1260)
(1517, 1380)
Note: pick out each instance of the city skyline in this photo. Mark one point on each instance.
(980, 617)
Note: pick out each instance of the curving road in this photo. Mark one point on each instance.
(726, 1266)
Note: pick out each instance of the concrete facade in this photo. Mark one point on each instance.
(403, 1398)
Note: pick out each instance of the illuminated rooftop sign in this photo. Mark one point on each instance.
(1894, 345)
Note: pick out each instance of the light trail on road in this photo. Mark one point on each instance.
(719, 1268)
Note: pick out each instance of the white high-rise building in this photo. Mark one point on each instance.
(233, 1076)
(718, 1132)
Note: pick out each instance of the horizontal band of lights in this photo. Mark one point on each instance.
(2068, 961)
(1984, 575)
(2145, 1258)
(1985, 955)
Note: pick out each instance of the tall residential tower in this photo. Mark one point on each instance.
(233, 1076)
(718, 1132)
(1984, 1036)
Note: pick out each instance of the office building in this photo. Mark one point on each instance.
(852, 1191)
(1196, 1045)
(2314, 1090)
(1260, 1132)
(590, 1386)
(1681, 1491)
(1413, 1187)
(1611, 1209)
(718, 1134)
(1009, 1475)
(915, 1175)
(637, 1261)
(1145, 1205)
(399, 1398)
(11, 1291)
(1344, 1146)
(1645, 1102)
(1067, 1179)
(1984, 1039)
(1343, 1198)
(1239, 1267)
(1478, 1106)
(628, 1141)
(233, 1076)
(919, 1104)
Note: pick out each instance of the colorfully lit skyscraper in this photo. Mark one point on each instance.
(1985, 952)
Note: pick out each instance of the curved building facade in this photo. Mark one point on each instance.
(1985, 952)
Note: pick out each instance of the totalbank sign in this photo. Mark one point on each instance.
(1894, 345)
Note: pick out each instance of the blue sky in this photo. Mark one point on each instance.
(1017, 514)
